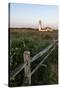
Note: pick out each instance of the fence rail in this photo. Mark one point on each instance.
(27, 62)
(43, 51)
(17, 71)
(42, 62)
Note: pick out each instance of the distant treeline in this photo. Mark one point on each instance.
(27, 29)
(24, 28)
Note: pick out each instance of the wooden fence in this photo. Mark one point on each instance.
(27, 62)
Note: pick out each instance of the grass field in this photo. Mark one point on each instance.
(34, 41)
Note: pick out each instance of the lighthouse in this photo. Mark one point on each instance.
(40, 25)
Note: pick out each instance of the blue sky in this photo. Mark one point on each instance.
(28, 15)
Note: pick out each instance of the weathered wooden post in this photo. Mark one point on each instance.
(27, 67)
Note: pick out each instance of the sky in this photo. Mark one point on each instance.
(28, 15)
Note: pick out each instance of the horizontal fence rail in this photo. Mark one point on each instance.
(17, 71)
(22, 66)
(43, 51)
(42, 61)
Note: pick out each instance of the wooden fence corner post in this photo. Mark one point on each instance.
(27, 69)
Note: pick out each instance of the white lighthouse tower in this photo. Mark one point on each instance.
(40, 25)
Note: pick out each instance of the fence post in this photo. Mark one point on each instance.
(27, 67)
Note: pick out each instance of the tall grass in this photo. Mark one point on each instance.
(34, 41)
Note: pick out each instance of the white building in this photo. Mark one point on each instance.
(44, 29)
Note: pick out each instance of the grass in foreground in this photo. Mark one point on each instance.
(34, 41)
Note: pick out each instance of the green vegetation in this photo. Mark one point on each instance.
(34, 41)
